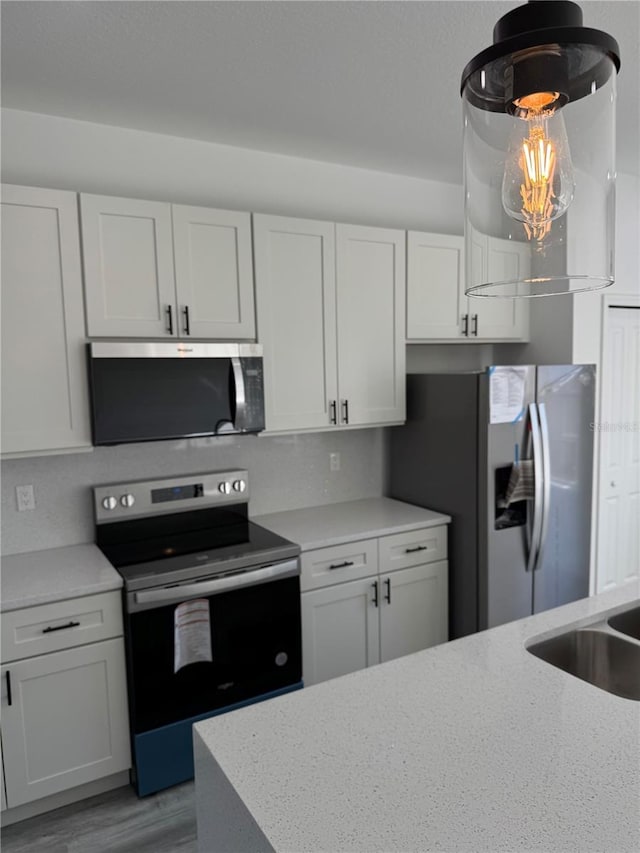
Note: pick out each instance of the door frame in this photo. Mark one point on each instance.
(613, 300)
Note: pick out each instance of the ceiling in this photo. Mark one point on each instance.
(371, 84)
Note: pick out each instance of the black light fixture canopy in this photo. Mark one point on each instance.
(533, 35)
(539, 154)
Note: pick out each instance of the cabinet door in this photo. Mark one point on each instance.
(128, 267)
(340, 630)
(44, 382)
(214, 273)
(295, 294)
(371, 324)
(67, 722)
(500, 318)
(436, 302)
(413, 610)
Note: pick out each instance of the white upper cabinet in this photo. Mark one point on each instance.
(44, 384)
(128, 267)
(438, 308)
(158, 270)
(214, 274)
(371, 310)
(436, 302)
(330, 308)
(296, 307)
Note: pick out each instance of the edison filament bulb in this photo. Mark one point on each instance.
(538, 182)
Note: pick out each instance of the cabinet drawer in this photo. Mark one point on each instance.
(413, 548)
(62, 625)
(339, 563)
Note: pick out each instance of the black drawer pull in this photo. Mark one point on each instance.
(375, 593)
(9, 696)
(418, 548)
(60, 627)
(341, 565)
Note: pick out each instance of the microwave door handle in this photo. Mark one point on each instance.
(240, 413)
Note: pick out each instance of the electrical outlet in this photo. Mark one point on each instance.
(334, 461)
(25, 498)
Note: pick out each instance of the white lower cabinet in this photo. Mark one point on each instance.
(340, 630)
(64, 713)
(399, 608)
(413, 610)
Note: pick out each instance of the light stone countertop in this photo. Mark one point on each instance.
(56, 574)
(474, 745)
(339, 523)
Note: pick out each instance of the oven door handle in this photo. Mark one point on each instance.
(212, 586)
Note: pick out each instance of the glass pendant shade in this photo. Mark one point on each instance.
(539, 156)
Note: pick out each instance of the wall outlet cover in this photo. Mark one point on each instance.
(25, 498)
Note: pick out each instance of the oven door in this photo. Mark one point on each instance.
(197, 648)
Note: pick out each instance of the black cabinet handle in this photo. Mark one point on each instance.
(345, 411)
(387, 597)
(375, 593)
(60, 627)
(341, 565)
(9, 696)
(169, 312)
(465, 325)
(333, 412)
(187, 327)
(474, 331)
(413, 550)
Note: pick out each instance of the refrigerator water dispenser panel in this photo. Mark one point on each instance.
(507, 515)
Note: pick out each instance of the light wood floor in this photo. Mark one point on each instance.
(115, 822)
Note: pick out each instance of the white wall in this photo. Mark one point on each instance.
(49, 151)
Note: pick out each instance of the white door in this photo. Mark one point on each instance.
(296, 312)
(44, 375)
(619, 436)
(128, 267)
(500, 318)
(436, 303)
(67, 721)
(371, 287)
(3, 796)
(413, 610)
(214, 273)
(340, 631)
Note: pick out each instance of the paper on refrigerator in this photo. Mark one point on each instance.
(192, 633)
(506, 394)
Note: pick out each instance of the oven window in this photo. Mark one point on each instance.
(143, 399)
(255, 648)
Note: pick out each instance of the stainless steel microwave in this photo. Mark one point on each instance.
(170, 390)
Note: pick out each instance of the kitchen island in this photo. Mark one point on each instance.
(475, 745)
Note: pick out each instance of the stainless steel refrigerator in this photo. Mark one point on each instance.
(468, 438)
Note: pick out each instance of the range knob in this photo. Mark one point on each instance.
(224, 488)
(109, 502)
(127, 500)
(239, 486)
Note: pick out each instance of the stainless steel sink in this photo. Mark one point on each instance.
(627, 623)
(601, 658)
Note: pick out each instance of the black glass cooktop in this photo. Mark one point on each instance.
(188, 544)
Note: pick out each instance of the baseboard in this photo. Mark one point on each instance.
(64, 798)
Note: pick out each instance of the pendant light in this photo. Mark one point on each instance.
(539, 155)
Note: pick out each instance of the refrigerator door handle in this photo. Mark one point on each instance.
(538, 501)
(546, 482)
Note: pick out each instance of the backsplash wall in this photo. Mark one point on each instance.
(285, 472)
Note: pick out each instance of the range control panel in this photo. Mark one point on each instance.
(117, 501)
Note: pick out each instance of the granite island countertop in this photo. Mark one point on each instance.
(55, 574)
(474, 745)
(339, 523)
